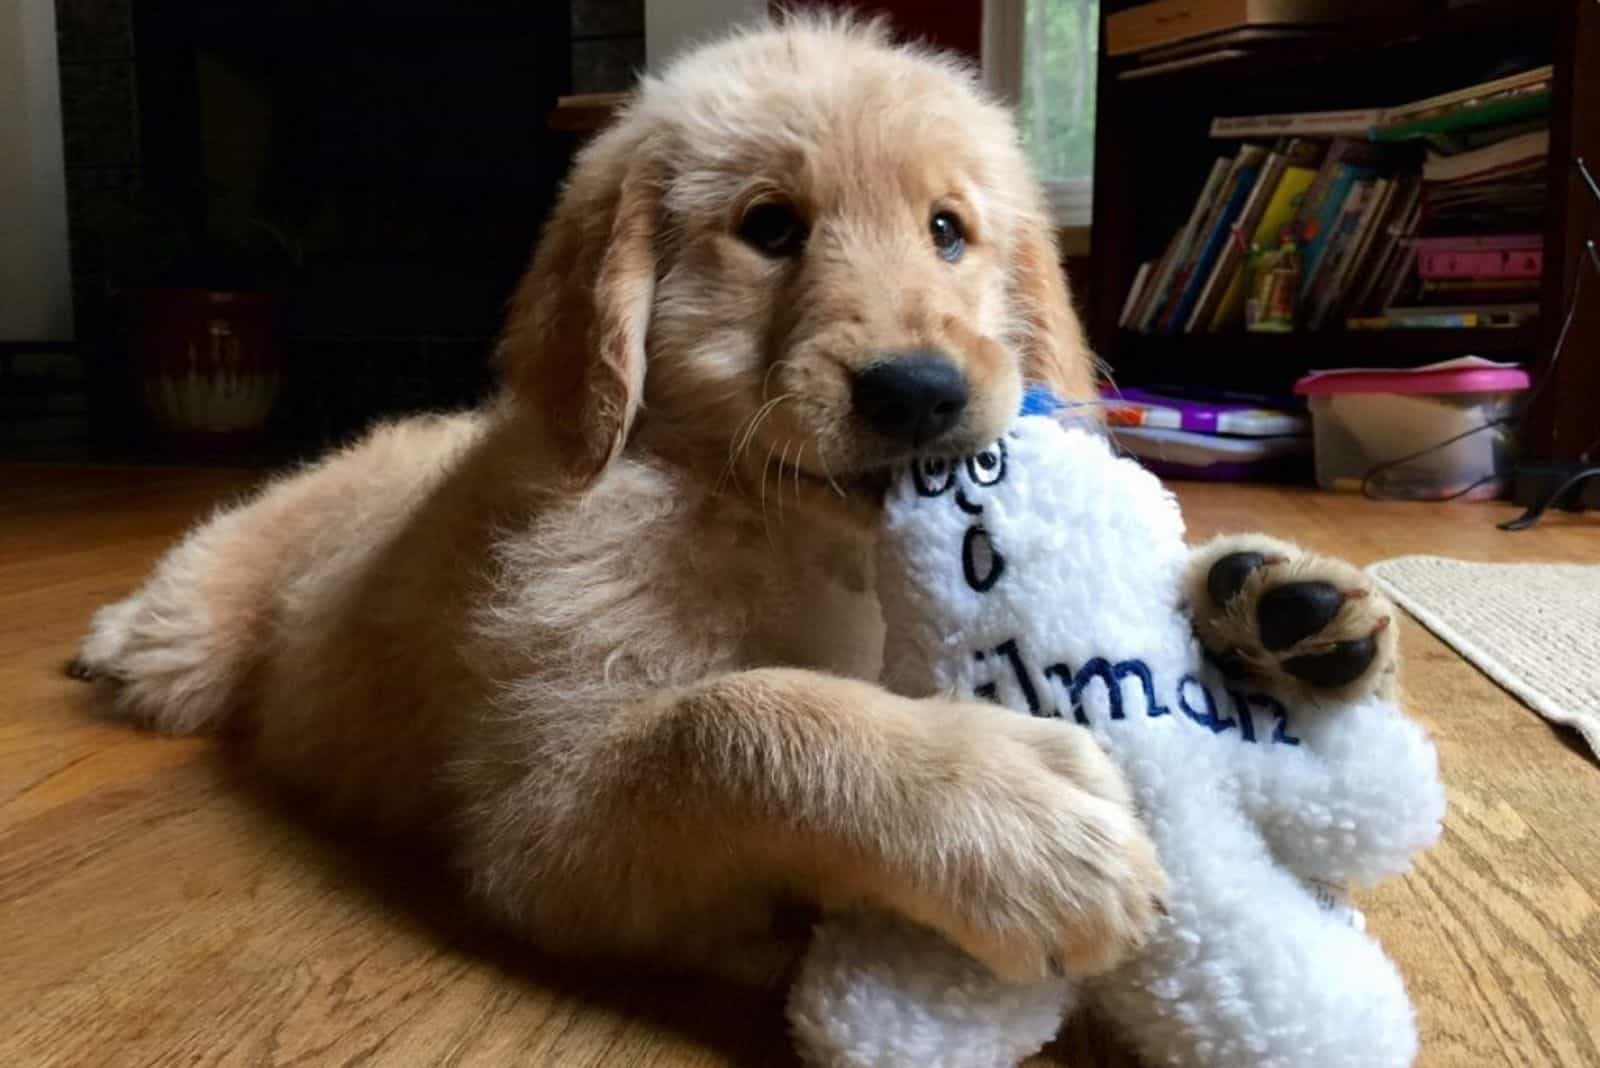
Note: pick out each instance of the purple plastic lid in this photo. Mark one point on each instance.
(1460, 380)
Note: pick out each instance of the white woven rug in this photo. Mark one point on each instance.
(1533, 628)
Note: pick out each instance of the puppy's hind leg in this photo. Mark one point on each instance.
(174, 655)
(108, 634)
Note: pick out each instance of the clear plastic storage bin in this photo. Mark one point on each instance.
(1392, 431)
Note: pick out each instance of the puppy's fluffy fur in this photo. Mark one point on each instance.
(607, 641)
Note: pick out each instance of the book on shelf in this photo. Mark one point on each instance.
(1203, 59)
(1317, 281)
(1467, 317)
(1134, 292)
(1283, 201)
(1362, 217)
(1452, 122)
(1231, 257)
(1400, 272)
(1496, 256)
(1302, 124)
(1490, 114)
(1502, 202)
(1348, 161)
(1477, 290)
(1165, 22)
(1390, 257)
(1499, 157)
(1493, 103)
(1231, 40)
(1153, 301)
(1212, 235)
(1449, 144)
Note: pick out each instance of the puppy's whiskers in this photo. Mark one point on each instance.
(766, 379)
(765, 526)
(783, 460)
(739, 443)
(822, 458)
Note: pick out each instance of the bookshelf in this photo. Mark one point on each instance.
(1153, 151)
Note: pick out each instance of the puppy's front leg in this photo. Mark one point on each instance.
(1014, 838)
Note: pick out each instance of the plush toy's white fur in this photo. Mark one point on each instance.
(1042, 574)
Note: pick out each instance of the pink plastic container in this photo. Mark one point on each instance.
(1441, 431)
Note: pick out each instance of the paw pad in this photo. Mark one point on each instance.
(1285, 616)
(1339, 666)
(1289, 614)
(1227, 576)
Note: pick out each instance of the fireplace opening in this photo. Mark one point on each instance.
(365, 178)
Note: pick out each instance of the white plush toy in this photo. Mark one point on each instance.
(1051, 576)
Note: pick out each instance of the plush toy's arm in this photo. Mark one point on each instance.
(1354, 801)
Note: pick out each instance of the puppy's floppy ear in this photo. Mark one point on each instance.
(573, 347)
(1054, 352)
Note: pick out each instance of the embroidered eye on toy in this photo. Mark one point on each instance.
(1273, 771)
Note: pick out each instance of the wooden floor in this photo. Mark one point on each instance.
(156, 909)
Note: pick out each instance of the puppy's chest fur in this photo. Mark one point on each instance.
(803, 586)
(652, 580)
(818, 608)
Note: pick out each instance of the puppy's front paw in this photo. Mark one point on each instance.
(1309, 622)
(1063, 880)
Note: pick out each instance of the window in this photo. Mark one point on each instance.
(1041, 56)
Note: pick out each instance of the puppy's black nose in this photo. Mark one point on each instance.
(911, 396)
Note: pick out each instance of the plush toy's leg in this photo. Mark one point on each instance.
(1354, 801)
(1312, 626)
(1249, 973)
(876, 992)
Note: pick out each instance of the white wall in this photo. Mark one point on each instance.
(669, 25)
(35, 279)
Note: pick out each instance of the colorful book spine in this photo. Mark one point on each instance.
(1234, 245)
(1532, 80)
(1319, 228)
(1363, 258)
(1153, 302)
(1326, 289)
(1134, 292)
(1279, 214)
(1499, 112)
(1501, 317)
(1248, 165)
(1514, 256)
(1203, 227)
(1380, 243)
(1442, 321)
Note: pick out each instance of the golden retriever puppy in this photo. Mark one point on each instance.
(611, 641)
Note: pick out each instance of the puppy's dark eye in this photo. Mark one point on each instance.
(773, 229)
(949, 236)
